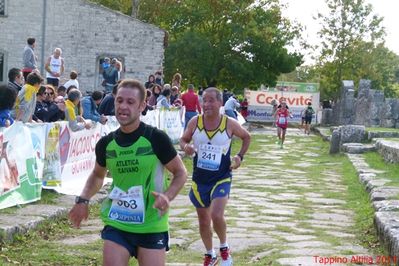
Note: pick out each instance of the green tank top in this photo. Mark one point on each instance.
(137, 170)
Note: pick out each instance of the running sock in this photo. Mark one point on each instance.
(224, 245)
(211, 252)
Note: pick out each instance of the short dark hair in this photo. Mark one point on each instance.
(166, 92)
(74, 94)
(134, 84)
(41, 90)
(73, 74)
(61, 88)
(31, 41)
(97, 95)
(13, 74)
(34, 78)
(70, 88)
(8, 97)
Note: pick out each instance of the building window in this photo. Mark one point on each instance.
(2, 67)
(2, 7)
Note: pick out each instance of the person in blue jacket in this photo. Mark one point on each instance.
(90, 105)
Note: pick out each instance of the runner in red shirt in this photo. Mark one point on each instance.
(281, 115)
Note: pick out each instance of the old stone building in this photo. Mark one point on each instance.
(85, 32)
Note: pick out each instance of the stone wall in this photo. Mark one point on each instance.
(370, 108)
(85, 32)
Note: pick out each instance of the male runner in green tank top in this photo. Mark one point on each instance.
(135, 211)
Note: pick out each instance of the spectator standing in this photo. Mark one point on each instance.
(75, 121)
(150, 82)
(156, 91)
(29, 59)
(90, 106)
(111, 76)
(72, 80)
(191, 103)
(158, 78)
(164, 99)
(176, 81)
(175, 97)
(15, 79)
(26, 99)
(54, 67)
(7, 101)
(244, 108)
(230, 107)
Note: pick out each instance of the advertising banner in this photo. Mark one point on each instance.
(19, 179)
(260, 104)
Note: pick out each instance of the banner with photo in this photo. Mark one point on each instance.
(19, 168)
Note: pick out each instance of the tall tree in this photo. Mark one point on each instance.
(350, 25)
(228, 43)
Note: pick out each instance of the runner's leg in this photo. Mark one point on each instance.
(151, 257)
(217, 213)
(205, 228)
(115, 254)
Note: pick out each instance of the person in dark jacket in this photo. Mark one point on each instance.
(107, 105)
(90, 104)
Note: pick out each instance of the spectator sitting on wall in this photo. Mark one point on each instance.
(75, 121)
(7, 101)
(107, 105)
(26, 99)
(73, 80)
(15, 79)
(148, 107)
(90, 105)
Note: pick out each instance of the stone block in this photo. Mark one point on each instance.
(335, 141)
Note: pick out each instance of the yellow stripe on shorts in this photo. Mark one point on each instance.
(196, 193)
(220, 182)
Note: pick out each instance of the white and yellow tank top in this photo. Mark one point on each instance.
(212, 159)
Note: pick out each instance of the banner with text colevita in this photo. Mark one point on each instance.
(260, 104)
(53, 156)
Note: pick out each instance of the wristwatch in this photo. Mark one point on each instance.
(79, 200)
(241, 156)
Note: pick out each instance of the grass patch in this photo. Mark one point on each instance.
(375, 161)
(358, 200)
(382, 129)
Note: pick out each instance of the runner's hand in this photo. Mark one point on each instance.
(189, 149)
(235, 162)
(161, 202)
(78, 213)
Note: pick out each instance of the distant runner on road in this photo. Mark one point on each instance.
(281, 115)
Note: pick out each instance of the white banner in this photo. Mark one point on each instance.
(171, 124)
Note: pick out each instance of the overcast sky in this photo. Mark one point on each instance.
(304, 10)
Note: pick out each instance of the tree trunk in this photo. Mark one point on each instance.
(135, 8)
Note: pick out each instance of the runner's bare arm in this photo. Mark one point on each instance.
(80, 212)
(187, 136)
(242, 133)
(95, 181)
